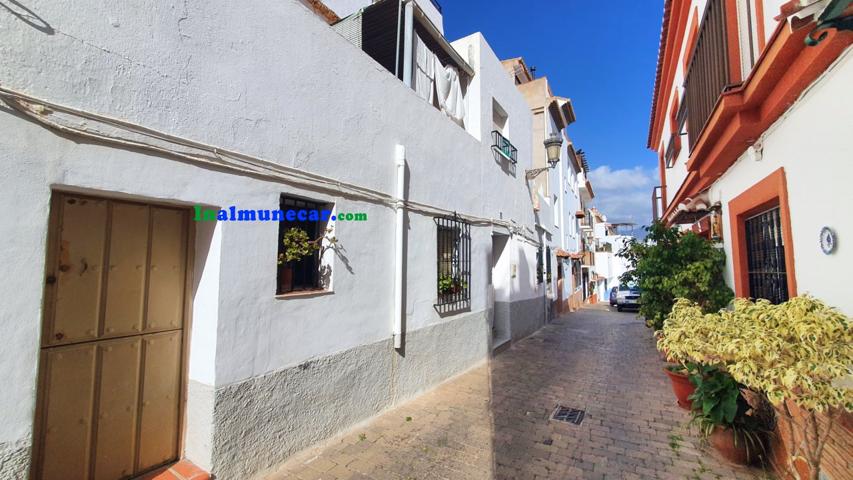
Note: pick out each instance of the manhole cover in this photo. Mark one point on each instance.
(568, 415)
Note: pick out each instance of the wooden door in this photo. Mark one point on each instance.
(111, 370)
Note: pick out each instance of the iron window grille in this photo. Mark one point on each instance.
(504, 147)
(548, 264)
(453, 276)
(768, 276)
(539, 268)
(302, 274)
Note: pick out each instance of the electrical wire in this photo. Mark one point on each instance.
(49, 114)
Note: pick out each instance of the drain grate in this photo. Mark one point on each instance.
(568, 415)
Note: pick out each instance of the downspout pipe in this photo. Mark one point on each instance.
(400, 167)
(408, 40)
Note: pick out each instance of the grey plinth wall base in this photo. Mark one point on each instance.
(261, 421)
(198, 443)
(15, 459)
(525, 316)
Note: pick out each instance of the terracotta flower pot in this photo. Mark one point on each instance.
(723, 440)
(682, 388)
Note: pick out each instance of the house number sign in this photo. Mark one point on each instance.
(827, 240)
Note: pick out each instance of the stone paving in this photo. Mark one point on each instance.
(494, 421)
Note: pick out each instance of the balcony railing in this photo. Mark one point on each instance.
(504, 147)
(708, 72)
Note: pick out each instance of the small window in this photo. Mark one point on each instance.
(453, 253)
(548, 264)
(500, 119)
(308, 272)
(556, 211)
(768, 276)
(539, 267)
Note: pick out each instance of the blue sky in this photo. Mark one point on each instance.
(602, 55)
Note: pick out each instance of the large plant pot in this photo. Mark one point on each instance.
(733, 447)
(681, 387)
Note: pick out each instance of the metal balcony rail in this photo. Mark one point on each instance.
(504, 147)
(708, 72)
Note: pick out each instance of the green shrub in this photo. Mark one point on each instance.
(671, 264)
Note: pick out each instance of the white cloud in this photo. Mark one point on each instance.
(624, 195)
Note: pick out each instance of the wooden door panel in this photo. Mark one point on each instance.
(126, 276)
(70, 385)
(158, 425)
(168, 260)
(115, 445)
(79, 271)
(109, 407)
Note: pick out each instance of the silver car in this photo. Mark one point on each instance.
(627, 297)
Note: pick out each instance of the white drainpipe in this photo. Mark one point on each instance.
(408, 41)
(400, 163)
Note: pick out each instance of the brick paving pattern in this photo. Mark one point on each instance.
(494, 421)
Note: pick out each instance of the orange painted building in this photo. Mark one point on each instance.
(751, 118)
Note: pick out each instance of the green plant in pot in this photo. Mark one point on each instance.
(798, 354)
(298, 245)
(449, 284)
(725, 417)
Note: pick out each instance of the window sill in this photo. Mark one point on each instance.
(304, 294)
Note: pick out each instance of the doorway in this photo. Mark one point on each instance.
(113, 343)
(501, 281)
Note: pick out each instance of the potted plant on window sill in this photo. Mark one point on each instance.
(450, 285)
(298, 245)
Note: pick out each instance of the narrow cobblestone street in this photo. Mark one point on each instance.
(494, 421)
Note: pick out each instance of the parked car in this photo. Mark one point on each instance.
(613, 296)
(627, 297)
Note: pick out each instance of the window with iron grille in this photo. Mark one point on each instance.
(768, 277)
(303, 274)
(548, 264)
(539, 269)
(454, 264)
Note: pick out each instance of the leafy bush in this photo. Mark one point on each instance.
(800, 351)
(717, 397)
(671, 264)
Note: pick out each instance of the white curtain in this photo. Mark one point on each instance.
(449, 89)
(424, 77)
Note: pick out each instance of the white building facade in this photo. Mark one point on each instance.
(138, 331)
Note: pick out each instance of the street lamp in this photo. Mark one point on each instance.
(553, 144)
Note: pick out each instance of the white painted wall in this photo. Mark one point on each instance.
(270, 80)
(811, 141)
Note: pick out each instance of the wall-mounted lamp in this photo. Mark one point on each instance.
(553, 146)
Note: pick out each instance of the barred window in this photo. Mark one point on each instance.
(539, 267)
(453, 280)
(302, 274)
(768, 277)
(548, 264)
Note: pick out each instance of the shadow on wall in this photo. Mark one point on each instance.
(27, 16)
